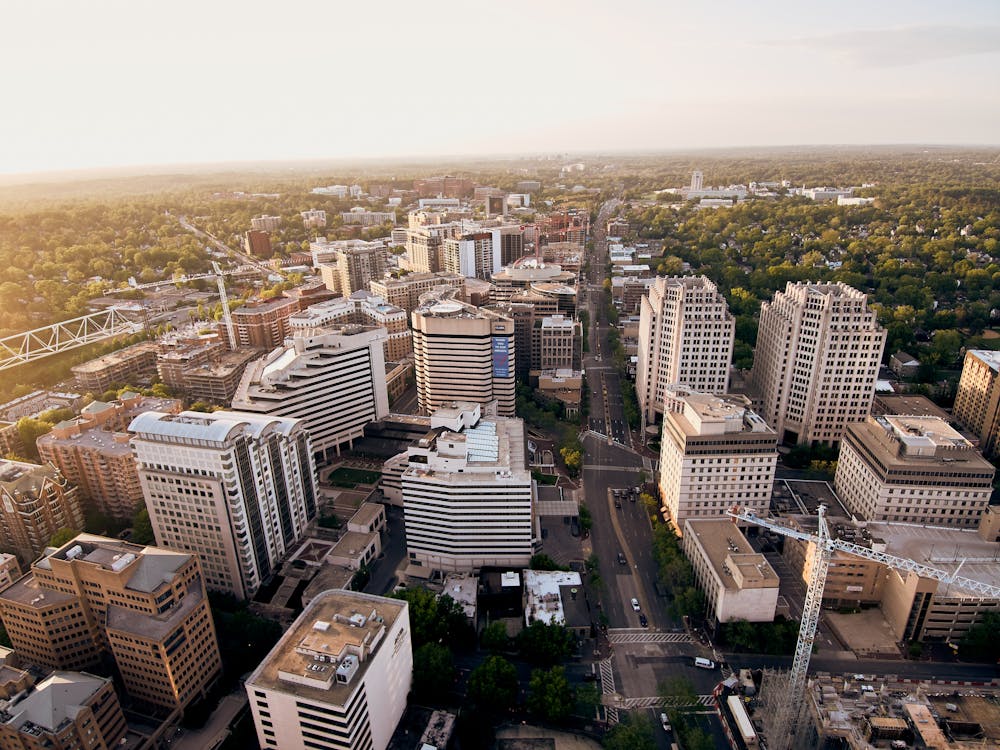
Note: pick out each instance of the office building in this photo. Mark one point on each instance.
(524, 316)
(463, 353)
(236, 488)
(715, 453)
(738, 583)
(912, 470)
(556, 343)
(257, 244)
(144, 606)
(265, 223)
(354, 267)
(92, 452)
(35, 502)
(405, 292)
(365, 309)
(819, 347)
(65, 710)
(467, 493)
(525, 276)
(333, 379)
(127, 366)
(338, 678)
(977, 402)
(263, 325)
(470, 255)
(314, 218)
(685, 336)
(697, 180)
(425, 245)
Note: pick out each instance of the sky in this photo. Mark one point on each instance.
(113, 83)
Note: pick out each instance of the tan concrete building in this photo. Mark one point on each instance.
(405, 292)
(715, 453)
(125, 366)
(35, 502)
(10, 570)
(425, 245)
(65, 710)
(685, 336)
(355, 267)
(556, 343)
(819, 347)
(738, 583)
(524, 275)
(265, 223)
(215, 380)
(912, 470)
(145, 606)
(338, 678)
(366, 309)
(463, 353)
(93, 453)
(977, 402)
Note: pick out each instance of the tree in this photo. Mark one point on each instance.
(586, 520)
(29, 430)
(545, 644)
(634, 733)
(433, 672)
(493, 685)
(495, 637)
(142, 528)
(62, 536)
(435, 619)
(541, 561)
(982, 641)
(573, 458)
(549, 694)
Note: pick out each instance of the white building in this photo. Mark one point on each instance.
(338, 678)
(338, 191)
(715, 453)
(333, 379)
(685, 336)
(912, 470)
(265, 223)
(467, 493)
(315, 217)
(473, 255)
(237, 489)
(329, 252)
(697, 180)
(738, 583)
(819, 347)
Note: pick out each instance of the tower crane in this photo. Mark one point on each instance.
(226, 315)
(825, 547)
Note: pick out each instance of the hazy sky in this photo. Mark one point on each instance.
(123, 82)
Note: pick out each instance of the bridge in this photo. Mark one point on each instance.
(69, 334)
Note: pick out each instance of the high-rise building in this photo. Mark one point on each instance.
(697, 180)
(35, 502)
(366, 309)
(265, 223)
(685, 336)
(555, 343)
(463, 353)
(333, 379)
(65, 710)
(447, 186)
(355, 267)
(145, 606)
(92, 452)
(818, 352)
(124, 367)
(313, 218)
(338, 678)
(472, 255)
(467, 493)
(405, 292)
(912, 470)
(977, 402)
(715, 453)
(264, 325)
(524, 316)
(236, 488)
(257, 244)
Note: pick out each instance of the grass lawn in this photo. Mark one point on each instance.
(348, 477)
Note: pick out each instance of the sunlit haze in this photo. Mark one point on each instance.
(129, 83)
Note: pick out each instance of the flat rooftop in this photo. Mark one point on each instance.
(988, 357)
(336, 626)
(122, 355)
(543, 597)
(731, 556)
(919, 406)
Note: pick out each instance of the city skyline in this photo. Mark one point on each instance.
(118, 86)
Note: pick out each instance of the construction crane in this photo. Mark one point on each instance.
(825, 547)
(226, 315)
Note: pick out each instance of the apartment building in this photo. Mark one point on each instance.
(715, 453)
(257, 244)
(472, 255)
(339, 676)
(204, 372)
(977, 402)
(366, 309)
(236, 488)
(425, 245)
(912, 470)
(819, 347)
(10, 570)
(35, 502)
(145, 606)
(467, 493)
(263, 325)
(405, 292)
(265, 223)
(333, 379)
(738, 583)
(354, 267)
(314, 218)
(366, 218)
(36, 402)
(125, 366)
(64, 710)
(685, 336)
(463, 353)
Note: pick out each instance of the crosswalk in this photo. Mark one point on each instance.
(629, 703)
(635, 635)
(608, 688)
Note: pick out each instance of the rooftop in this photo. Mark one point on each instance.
(989, 358)
(55, 700)
(336, 634)
(122, 355)
(732, 558)
(542, 595)
(463, 588)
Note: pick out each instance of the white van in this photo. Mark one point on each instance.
(704, 663)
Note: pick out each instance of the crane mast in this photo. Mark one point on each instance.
(230, 332)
